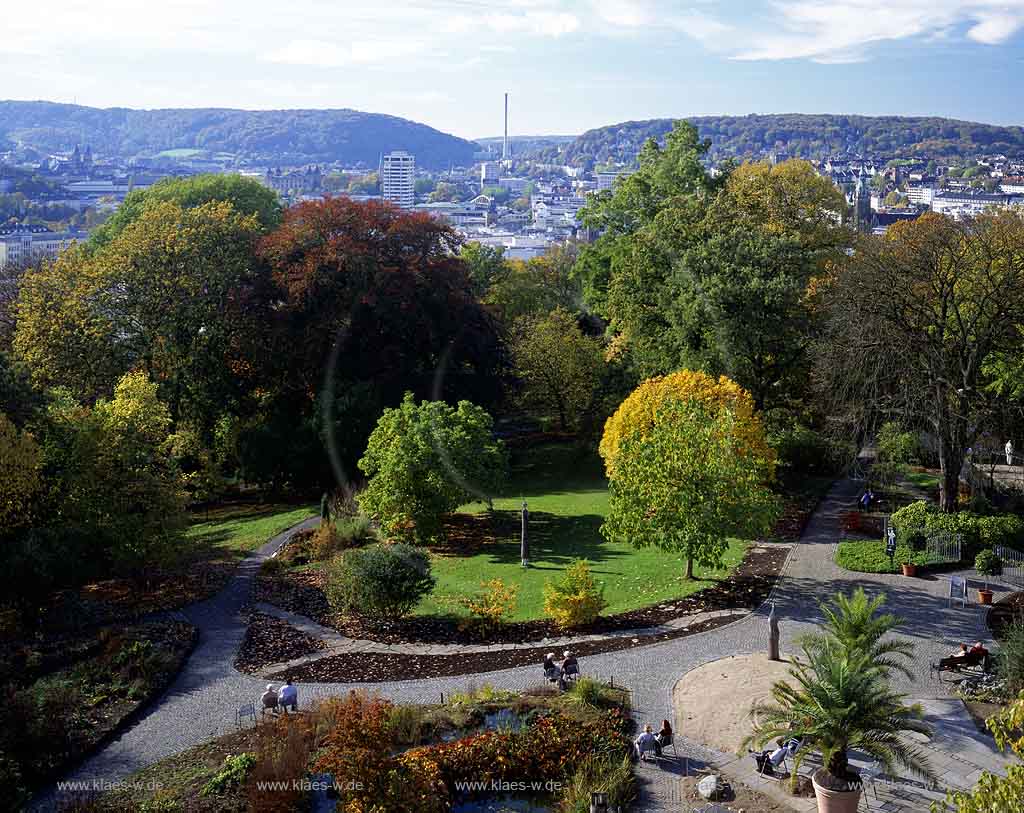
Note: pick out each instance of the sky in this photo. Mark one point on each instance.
(568, 65)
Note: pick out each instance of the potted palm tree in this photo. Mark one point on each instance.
(839, 698)
(988, 564)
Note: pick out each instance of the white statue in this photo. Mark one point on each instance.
(1009, 453)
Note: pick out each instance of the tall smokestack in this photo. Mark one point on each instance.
(504, 144)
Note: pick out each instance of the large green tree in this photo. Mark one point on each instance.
(424, 460)
(247, 195)
(560, 368)
(709, 272)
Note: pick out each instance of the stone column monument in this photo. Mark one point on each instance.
(773, 635)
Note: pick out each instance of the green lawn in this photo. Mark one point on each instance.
(240, 528)
(568, 499)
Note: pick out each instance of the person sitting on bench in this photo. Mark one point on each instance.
(977, 655)
(269, 700)
(768, 760)
(288, 697)
(647, 742)
(551, 670)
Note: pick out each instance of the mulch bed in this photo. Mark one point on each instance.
(744, 589)
(372, 667)
(273, 640)
(1004, 612)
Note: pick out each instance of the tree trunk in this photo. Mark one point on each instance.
(951, 460)
(689, 567)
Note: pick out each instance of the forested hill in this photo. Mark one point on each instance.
(288, 136)
(805, 136)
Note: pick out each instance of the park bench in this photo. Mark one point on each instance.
(977, 662)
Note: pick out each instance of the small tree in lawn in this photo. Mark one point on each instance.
(424, 461)
(690, 479)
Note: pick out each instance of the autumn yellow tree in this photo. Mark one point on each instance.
(689, 467)
(160, 296)
(636, 415)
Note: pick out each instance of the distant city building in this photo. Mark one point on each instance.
(304, 181)
(514, 185)
(606, 180)
(490, 173)
(959, 204)
(22, 244)
(398, 178)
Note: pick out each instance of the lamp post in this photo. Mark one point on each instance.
(773, 635)
(524, 543)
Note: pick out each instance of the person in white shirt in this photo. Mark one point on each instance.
(647, 742)
(289, 696)
(1009, 453)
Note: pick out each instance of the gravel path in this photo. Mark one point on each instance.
(202, 701)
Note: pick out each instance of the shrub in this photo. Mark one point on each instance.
(591, 693)
(805, 451)
(272, 567)
(236, 767)
(381, 581)
(987, 563)
(976, 532)
(1010, 658)
(549, 749)
(353, 749)
(599, 773)
(491, 607)
(330, 538)
(283, 750)
(575, 598)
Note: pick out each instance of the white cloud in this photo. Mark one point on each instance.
(826, 31)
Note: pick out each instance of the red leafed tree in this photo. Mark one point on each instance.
(374, 300)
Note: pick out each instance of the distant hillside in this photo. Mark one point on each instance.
(804, 136)
(287, 136)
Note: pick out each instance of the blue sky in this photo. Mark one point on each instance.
(568, 64)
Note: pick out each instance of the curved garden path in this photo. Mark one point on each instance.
(201, 702)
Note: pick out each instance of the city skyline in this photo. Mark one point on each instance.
(569, 65)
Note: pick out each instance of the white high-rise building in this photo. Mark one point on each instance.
(398, 178)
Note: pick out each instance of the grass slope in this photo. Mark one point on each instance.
(240, 528)
(568, 499)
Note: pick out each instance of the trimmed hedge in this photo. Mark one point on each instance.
(868, 556)
(977, 532)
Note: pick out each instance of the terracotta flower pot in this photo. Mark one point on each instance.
(835, 801)
(909, 569)
(984, 596)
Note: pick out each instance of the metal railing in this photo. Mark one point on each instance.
(1013, 564)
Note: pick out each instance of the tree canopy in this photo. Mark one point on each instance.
(915, 319)
(425, 460)
(692, 477)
